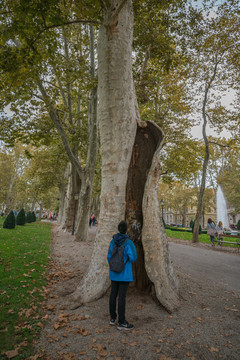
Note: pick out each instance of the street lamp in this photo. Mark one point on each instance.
(75, 207)
(162, 205)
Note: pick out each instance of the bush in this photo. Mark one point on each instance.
(191, 224)
(29, 217)
(238, 225)
(34, 216)
(200, 228)
(9, 222)
(21, 217)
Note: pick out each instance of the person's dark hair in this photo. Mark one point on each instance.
(209, 220)
(122, 227)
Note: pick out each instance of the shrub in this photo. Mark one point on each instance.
(34, 216)
(191, 224)
(29, 217)
(238, 225)
(9, 222)
(200, 228)
(21, 217)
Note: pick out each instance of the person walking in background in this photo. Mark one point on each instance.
(211, 230)
(92, 217)
(120, 280)
(220, 231)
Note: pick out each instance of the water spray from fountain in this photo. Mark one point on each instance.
(222, 208)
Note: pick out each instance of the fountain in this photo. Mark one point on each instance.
(222, 208)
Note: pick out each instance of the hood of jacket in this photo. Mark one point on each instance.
(119, 238)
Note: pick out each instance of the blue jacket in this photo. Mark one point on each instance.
(130, 256)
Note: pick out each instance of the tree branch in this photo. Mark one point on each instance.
(61, 88)
(94, 22)
(57, 123)
(224, 146)
(145, 62)
(69, 98)
(103, 4)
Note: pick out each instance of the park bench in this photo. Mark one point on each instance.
(220, 242)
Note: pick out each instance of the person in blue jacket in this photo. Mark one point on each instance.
(120, 281)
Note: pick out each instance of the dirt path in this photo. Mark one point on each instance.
(206, 326)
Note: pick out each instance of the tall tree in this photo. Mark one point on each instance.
(212, 42)
(130, 168)
(48, 73)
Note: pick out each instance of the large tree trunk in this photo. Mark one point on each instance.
(208, 86)
(117, 123)
(153, 271)
(130, 171)
(11, 195)
(156, 252)
(88, 174)
(69, 202)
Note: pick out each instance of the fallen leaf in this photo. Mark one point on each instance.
(53, 337)
(99, 331)
(188, 354)
(212, 349)
(164, 357)
(83, 332)
(229, 309)
(24, 343)
(56, 326)
(102, 352)
(133, 343)
(11, 353)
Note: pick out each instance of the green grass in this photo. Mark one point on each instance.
(24, 257)
(203, 238)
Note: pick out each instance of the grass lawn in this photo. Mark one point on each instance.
(24, 257)
(204, 238)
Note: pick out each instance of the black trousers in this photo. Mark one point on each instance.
(118, 288)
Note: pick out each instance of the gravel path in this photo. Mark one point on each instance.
(206, 326)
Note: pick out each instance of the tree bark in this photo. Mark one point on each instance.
(11, 194)
(73, 187)
(206, 157)
(158, 263)
(117, 123)
(88, 173)
(130, 173)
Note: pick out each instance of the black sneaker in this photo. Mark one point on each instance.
(112, 321)
(125, 326)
